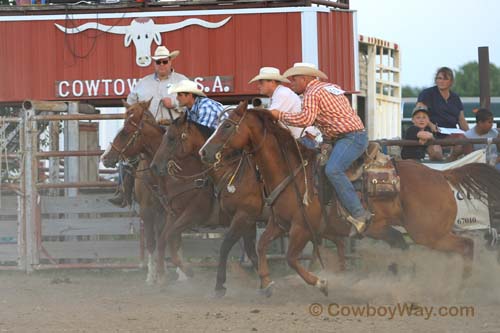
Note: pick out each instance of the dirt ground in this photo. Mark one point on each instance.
(120, 301)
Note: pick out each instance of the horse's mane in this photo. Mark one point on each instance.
(283, 135)
(204, 130)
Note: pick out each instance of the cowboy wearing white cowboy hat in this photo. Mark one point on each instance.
(163, 106)
(269, 81)
(156, 86)
(326, 106)
(199, 107)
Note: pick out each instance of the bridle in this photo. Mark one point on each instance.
(131, 141)
(236, 127)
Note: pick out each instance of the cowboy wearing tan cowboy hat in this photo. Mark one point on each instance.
(199, 107)
(326, 106)
(163, 106)
(270, 84)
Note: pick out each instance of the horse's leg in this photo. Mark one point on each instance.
(174, 244)
(271, 232)
(340, 245)
(458, 244)
(150, 246)
(179, 224)
(297, 240)
(249, 238)
(380, 230)
(237, 228)
(162, 243)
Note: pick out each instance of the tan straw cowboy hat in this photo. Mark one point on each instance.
(186, 86)
(162, 52)
(269, 73)
(303, 68)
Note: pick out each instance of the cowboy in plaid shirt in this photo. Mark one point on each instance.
(200, 109)
(325, 106)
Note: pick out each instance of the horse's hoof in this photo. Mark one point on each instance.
(267, 291)
(150, 281)
(220, 292)
(322, 285)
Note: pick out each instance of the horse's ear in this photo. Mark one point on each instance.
(184, 117)
(125, 104)
(242, 107)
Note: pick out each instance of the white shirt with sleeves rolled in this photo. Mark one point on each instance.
(284, 99)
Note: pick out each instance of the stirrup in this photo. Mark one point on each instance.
(361, 226)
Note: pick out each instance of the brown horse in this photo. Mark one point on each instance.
(236, 184)
(425, 206)
(130, 142)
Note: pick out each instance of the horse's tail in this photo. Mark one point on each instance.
(478, 179)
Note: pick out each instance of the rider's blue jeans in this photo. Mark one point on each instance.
(345, 151)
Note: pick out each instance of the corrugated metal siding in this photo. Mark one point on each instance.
(34, 55)
(336, 47)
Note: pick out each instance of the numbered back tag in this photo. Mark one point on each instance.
(334, 90)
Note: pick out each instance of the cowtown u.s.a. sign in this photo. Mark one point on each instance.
(141, 32)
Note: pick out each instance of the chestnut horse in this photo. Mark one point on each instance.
(236, 184)
(425, 207)
(130, 142)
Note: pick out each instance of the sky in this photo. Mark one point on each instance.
(432, 33)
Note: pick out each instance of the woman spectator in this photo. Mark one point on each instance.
(445, 107)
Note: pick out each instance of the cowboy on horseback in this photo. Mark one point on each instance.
(325, 106)
(163, 106)
(199, 108)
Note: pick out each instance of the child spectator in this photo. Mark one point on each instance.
(422, 132)
(484, 129)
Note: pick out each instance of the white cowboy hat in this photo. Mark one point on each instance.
(186, 86)
(269, 73)
(303, 68)
(162, 52)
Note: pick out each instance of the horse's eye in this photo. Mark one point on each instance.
(227, 125)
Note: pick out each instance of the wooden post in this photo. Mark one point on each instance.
(484, 76)
(54, 161)
(21, 200)
(31, 194)
(71, 142)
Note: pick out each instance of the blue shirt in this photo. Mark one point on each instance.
(443, 113)
(205, 111)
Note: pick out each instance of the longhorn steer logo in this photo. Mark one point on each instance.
(142, 32)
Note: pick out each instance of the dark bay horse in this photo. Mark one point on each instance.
(425, 206)
(130, 142)
(242, 204)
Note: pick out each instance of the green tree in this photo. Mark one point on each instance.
(467, 80)
(409, 91)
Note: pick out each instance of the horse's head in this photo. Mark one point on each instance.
(129, 140)
(182, 139)
(234, 133)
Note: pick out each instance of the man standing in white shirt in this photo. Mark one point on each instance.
(282, 98)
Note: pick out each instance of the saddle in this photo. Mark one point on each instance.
(373, 174)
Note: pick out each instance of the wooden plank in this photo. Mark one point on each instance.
(80, 204)
(107, 226)
(199, 248)
(8, 228)
(92, 249)
(8, 252)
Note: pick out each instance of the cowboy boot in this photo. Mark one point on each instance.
(360, 223)
(118, 199)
